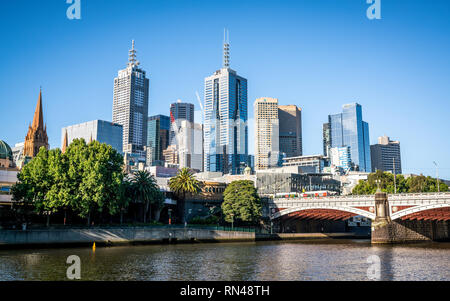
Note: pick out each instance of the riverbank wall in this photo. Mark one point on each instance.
(144, 235)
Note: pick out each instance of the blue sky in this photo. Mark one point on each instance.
(317, 54)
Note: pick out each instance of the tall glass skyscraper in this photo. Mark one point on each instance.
(349, 129)
(158, 136)
(130, 106)
(225, 129)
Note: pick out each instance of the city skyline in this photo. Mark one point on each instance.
(404, 102)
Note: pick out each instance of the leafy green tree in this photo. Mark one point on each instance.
(146, 191)
(410, 185)
(36, 182)
(241, 202)
(183, 183)
(86, 178)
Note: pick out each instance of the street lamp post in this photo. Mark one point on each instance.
(395, 177)
(437, 176)
(232, 221)
(170, 216)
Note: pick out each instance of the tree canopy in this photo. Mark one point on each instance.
(409, 185)
(86, 178)
(184, 182)
(241, 202)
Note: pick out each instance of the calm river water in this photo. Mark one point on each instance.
(324, 260)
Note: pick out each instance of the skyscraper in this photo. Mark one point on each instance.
(349, 129)
(130, 106)
(290, 130)
(158, 136)
(266, 133)
(37, 132)
(225, 129)
(180, 111)
(386, 155)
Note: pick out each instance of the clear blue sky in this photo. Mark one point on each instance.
(317, 54)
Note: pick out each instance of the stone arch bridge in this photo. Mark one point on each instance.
(412, 210)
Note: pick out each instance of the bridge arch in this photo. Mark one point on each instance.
(416, 209)
(348, 209)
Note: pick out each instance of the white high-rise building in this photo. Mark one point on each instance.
(267, 148)
(130, 106)
(190, 145)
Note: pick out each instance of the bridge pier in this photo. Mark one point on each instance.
(384, 230)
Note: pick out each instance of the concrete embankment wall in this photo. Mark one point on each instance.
(58, 237)
(118, 236)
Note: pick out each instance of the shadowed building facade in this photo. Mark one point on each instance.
(290, 117)
(386, 155)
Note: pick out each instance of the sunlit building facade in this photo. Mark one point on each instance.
(130, 105)
(349, 129)
(225, 120)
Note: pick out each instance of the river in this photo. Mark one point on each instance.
(306, 260)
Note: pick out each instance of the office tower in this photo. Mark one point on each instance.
(290, 117)
(130, 106)
(37, 132)
(157, 137)
(340, 157)
(349, 129)
(326, 133)
(225, 129)
(267, 148)
(190, 145)
(180, 111)
(386, 155)
(99, 130)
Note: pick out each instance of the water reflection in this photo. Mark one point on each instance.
(331, 260)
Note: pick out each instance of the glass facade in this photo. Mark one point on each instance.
(100, 130)
(348, 129)
(157, 136)
(226, 130)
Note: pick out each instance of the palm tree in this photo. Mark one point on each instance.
(145, 190)
(184, 182)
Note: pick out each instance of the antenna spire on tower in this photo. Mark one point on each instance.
(226, 49)
(132, 55)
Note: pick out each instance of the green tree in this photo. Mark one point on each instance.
(241, 202)
(146, 191)
(86, 178)
(94, 178)
(183, 183)
(413, 184)
(36, 183)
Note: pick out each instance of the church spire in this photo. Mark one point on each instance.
(65, 143)
(37, 132)
(38, 119)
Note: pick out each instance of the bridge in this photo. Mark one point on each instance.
(412, 210)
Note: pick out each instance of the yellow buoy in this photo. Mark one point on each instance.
(93, 247)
